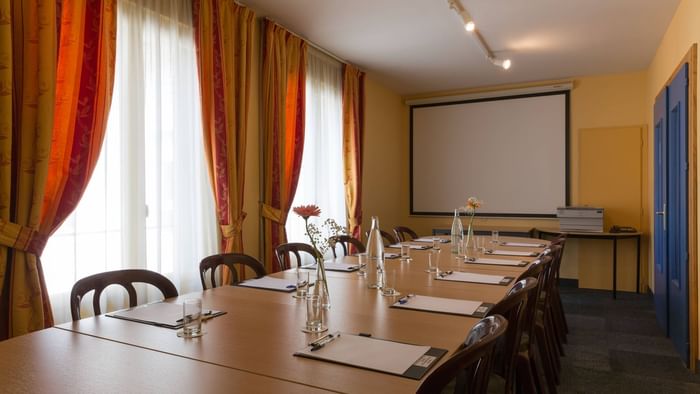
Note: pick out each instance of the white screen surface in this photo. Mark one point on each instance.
(508, 152)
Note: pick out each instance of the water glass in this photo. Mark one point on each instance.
(387, 289)
(314, 314)
(191, 319)
(362, 264)
(494, 236)
(405, 252)
(433, 257)
(302, 283)
(436, 243)
(480, 244)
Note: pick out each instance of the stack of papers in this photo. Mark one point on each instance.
(475, 278)
(411, 361)
(270, 283)
(443, 305)
(514, 263)
(511, 253)
(524, 244)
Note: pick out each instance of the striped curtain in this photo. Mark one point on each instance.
(51, 132)
(224, 40)
(283, 83)
(353, 134)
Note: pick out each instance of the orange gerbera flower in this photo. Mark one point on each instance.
(307, 211)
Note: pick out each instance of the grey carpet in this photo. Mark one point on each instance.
(615, 346)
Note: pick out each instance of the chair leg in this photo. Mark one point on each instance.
(525, 379)
(545, 354)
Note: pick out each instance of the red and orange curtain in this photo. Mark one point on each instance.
(283, 97)
(353, 134)
(53, 110)
(224, 40)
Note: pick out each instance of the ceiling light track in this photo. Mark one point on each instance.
(470, 26)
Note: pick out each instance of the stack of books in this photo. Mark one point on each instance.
(580, 219)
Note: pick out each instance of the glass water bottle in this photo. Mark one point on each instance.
(375, 255)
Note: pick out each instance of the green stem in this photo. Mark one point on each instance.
(319, 256)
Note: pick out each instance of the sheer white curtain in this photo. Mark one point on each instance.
(321, 177)
(149, 203)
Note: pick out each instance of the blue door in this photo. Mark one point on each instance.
(660, 201)
(677, 211)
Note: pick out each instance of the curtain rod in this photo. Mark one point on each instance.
(312, 44)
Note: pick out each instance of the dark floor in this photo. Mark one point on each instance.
(615, 346)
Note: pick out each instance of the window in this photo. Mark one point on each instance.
(321, 175)
(149, 202)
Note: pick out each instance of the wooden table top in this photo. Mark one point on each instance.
(58, 361)
(262, 328)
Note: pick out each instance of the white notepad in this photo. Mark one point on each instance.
(515, 263)
(331, 265)
(369, 353)
(523, 244)
(416, 247)
(443, 305)
(474, 278)
(511, 253)
(270, 283)
(428, 239)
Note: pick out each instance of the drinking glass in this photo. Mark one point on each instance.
(480, 244)
(432, 261)
(405, 252)
(436, 243)
(314, 314)
(362, 264)
(494, 236)
(387, 289)
(302, 283)
(191, 319)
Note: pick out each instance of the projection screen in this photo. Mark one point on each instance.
(510, 152)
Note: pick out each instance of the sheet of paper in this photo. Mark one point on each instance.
(391, 255)
(430, 239)
(515, 263)
(165, 314)
(439, 304)
(511, 253)
(474, 278)
(416, 247)
(371, 353)
(332, 265)
(523, 244)
(268, 282)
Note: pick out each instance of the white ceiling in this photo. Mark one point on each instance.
(417, 46)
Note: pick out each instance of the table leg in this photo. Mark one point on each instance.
(614, 286)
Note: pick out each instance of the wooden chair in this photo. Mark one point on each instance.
(229, 260)
(347, 242)
(387, 238)
(126, 278)
(404, 234)
(284, 253)
(471, 364)
(513, 308)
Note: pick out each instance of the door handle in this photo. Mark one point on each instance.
(663, 213)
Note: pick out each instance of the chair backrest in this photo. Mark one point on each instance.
(211, 263)
(346, 242)
(472, 363)
(284, 253)
(126, 278)
(538, 269)
(513, 308)
(404, 234)
(387, 238)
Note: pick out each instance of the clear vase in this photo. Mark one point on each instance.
(375, 255)
(321, 285)
(469, 249)
(456, 234)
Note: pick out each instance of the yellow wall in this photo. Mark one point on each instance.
(682, 33)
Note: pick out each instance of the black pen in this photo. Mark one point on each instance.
(330, 338)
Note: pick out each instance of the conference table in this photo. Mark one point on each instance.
(251, 347)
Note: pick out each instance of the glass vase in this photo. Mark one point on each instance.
(321, 285)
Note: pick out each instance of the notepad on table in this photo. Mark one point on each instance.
(396, 358)
(161, 314)
(391, 255)
(428, 239)
(475, 278)
(331, 265)
(415, 247)
(514, 263)
(523, 244)
(270, 283)
(511, 253)
(443, 305)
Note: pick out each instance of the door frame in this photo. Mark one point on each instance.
(691, 58)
